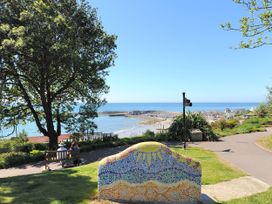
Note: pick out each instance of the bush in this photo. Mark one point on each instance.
(110, 138)
(250, 125)
(162, 137)
(15, 145)
(36, 155)
(40, 146)
(232, 123)
(193, 121)
(261, 111)
(27, 147)
(13, 159)
(5, 145)
(149, 134)
(224, 124)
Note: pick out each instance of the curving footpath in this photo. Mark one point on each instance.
(242, 151)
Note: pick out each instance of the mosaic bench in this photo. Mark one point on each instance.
(149, 172)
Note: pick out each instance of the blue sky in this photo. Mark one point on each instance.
(167, 47)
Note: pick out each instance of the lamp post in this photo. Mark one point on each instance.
(186, 102)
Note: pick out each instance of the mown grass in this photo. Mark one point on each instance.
(266, 142)
(79, 185)
(213, 169)
(259, 198)
(250, 125)
(75, 185)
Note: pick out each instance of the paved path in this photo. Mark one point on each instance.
(242, 151)
(89, 157)
(236, 188)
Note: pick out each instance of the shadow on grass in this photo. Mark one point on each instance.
(64, 186)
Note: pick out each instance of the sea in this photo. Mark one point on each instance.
(109, 124)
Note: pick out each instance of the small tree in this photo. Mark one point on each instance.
(222, 124)
(22, 137)
(262, 110)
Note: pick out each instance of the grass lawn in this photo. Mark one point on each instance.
(74, 185)
(213, 170)
(266, 142)
(260, 198)
(79, 185)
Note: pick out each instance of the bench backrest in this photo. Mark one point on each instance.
(57, 155)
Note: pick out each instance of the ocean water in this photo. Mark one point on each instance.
(117, 124)
(175, 107)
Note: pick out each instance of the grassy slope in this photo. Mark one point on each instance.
(249, 125)
(266, 142)
(79, 185)
(260, 198)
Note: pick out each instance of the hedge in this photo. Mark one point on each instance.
(12, 159)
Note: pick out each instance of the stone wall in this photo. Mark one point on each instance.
(149, 171)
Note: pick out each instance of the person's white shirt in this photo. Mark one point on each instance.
(62, 148)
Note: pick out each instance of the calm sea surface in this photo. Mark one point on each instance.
(114, 124)
(175, 107)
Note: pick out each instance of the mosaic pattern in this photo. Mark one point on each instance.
(149, 171)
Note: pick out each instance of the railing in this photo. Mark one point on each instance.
(94, 136)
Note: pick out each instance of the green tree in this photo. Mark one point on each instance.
(256, 26)
(54, 55)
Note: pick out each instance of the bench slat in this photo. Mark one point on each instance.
(55, 156)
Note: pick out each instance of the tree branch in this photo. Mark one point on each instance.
(65, 86)
(58, 122)
(27, 99)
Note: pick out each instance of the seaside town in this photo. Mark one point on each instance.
(127, 102)
(156, 121)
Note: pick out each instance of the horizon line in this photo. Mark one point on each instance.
(194, 102)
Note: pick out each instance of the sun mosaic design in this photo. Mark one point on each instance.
(149, 171)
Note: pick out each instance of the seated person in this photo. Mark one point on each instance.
(75, 153)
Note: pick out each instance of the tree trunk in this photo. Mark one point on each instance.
(53, 140)
(52, 134)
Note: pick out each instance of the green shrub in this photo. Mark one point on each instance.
(162, 137)
(110, 138)
(149, 134)
(26, 147)
(232, 123)
(36, 155)
(15, 145)
(224, 124)
(6, 145)
(250, 125)
(261, 111)
(13, 159)
(40, 146)
(193, 121)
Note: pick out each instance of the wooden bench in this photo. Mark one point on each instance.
(63, 156)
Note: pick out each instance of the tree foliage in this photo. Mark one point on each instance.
(256, 27)
(54, 55)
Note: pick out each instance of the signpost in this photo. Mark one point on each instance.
(186, 102)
